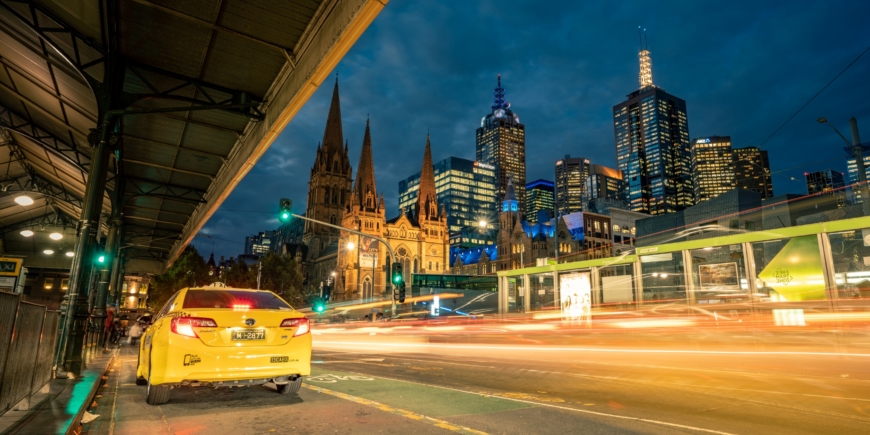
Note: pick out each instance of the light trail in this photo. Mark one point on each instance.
(369, 345)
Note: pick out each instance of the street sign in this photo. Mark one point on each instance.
(10, 266)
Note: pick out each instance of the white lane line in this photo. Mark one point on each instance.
(589, 349)
(565, 408)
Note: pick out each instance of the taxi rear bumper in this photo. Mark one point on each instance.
(187, 361)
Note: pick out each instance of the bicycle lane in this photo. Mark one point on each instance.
(249, 410)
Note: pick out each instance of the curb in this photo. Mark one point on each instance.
(75, 425)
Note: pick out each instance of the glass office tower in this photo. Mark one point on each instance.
(651, 129)
(466, 188)
(540, 196)
(712, 167)
(501, 143)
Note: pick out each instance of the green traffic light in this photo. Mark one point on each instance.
(285, 215)
(319, 308)
(101, 259)
(397, 279)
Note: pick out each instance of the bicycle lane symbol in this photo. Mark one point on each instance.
(331, 379)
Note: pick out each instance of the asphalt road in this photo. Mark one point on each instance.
(519, 384)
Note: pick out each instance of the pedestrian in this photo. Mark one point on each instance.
(116, 332)
(109, 327)
(135, 333)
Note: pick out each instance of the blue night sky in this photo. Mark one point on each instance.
(742, 67)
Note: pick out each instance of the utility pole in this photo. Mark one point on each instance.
(259, 272)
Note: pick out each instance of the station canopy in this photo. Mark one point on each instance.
(242, 68)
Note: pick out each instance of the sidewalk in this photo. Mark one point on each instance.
(60, 410)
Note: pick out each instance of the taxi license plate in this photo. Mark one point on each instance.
(249, 334)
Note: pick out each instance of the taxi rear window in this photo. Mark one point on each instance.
(233, 300)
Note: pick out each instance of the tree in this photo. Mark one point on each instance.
(239, 275)
(280, 275)
(189, 270)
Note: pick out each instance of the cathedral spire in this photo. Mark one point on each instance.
(332, 135)
(426, 197)
(364, 188)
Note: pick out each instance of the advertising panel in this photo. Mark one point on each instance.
(720, 275)
(576, 295)
(368, 252)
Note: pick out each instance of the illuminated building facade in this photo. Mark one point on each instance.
(466, 188)
(501, 143)
(825, 182)
(752, 171)
(603, 183)
(852, 171)
(651, 130)
(712, 167)
(540, 197)
(571, 174)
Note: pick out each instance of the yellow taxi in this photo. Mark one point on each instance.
(218, 336)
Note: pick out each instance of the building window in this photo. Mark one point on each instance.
(615, 228)
(332, 219)
(49, 283)
(64, 284)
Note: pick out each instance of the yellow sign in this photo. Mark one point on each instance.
(10, 266)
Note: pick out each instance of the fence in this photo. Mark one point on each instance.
(28, 333)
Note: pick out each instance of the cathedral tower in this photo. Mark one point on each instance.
(361, 259)
(330, 183)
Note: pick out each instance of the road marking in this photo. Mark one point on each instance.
(550, 405)
(398, 411)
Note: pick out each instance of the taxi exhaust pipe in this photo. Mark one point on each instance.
(283, 380)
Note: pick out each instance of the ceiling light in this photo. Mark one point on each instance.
(48, 252)
(24, 200)
(70, 254)
(26, 233)
(55, 236)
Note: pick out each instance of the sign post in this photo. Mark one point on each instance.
(10, 273)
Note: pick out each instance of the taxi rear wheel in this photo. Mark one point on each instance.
(140, 381)
(291, 387)
(156, 394)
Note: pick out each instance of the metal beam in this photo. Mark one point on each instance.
(171, 191)
(26, 127)
(169, 168)
(56, 218)
(42, 185)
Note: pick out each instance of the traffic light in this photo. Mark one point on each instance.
(327, 291)
(101, 259)
(285, 210)
(397, 274)
(398, 280)
(319, 306)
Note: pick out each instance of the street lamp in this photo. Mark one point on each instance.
(482, 224)
(858, 154)
(350, 246)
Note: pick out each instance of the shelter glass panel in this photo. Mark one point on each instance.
(664, 278)
(616, 288)
(850, 252)
(719, 275)
(542, 292)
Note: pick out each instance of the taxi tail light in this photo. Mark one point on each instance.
(184, 325)
(301, 323)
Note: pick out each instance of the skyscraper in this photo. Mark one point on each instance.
(466, 189)
(825, 182)
(501, 143)
(852, 170)
(651, 130)
(603, 183)
(712, 167)
(540, 196)
(752, 171)
(571, 174)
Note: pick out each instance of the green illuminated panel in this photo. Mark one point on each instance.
(796, 271)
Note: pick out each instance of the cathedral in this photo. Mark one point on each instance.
(358, 266)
